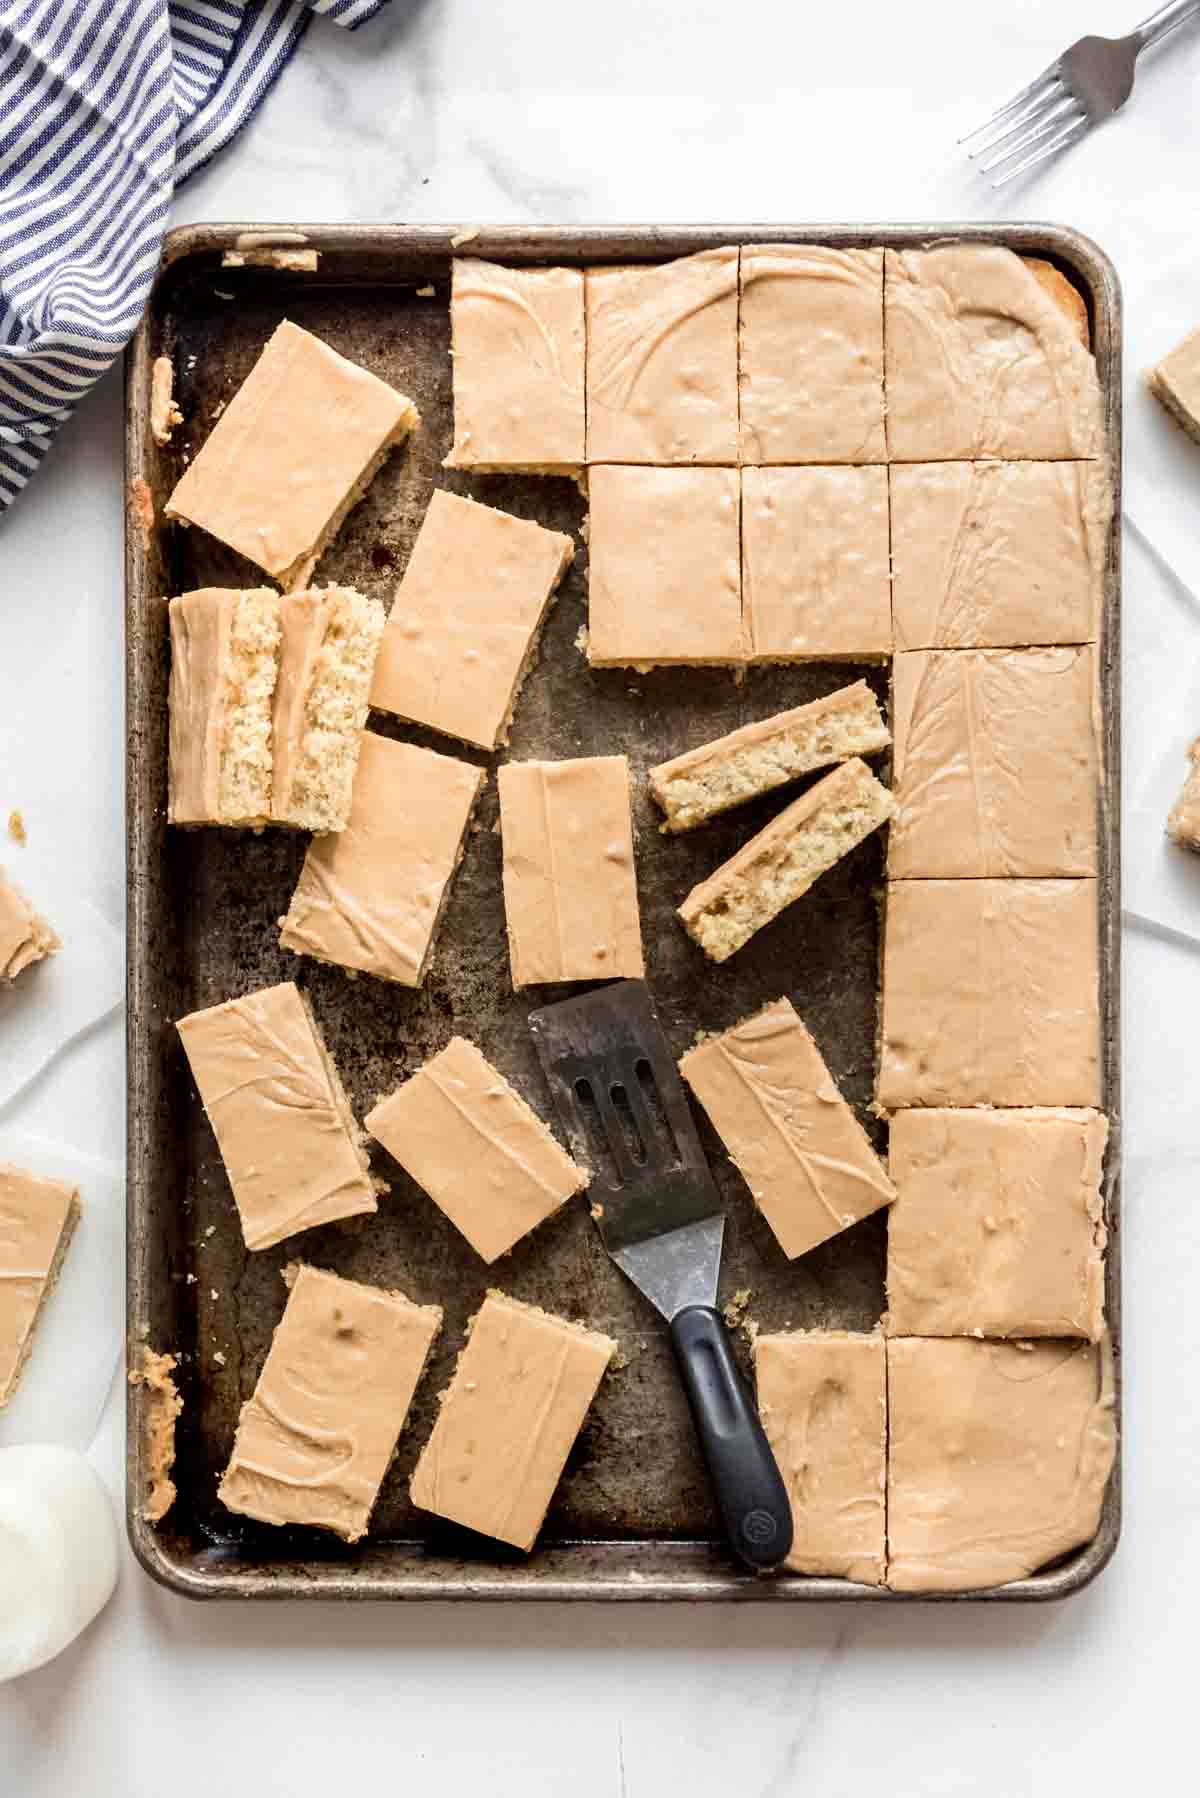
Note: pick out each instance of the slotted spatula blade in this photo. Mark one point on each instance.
(620, 1100)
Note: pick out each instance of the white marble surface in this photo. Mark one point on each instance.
(655, 109)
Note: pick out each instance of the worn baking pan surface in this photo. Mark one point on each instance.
(633, 1517)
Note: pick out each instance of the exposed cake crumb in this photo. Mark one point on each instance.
(16, 828)
(163, 1406)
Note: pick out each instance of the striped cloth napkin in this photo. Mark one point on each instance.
(106, 106)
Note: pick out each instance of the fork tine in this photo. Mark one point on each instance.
(1057, 115)
(1026, 95)
(1047, 95)
(1067, 136)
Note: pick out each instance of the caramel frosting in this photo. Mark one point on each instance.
(508, 1420)
(822, 1399)
(815, 563)
(281, 1123)
(465, 616)
(662, 360)
(518, 340)
(370, 896)
(570, 890)
(991, 993)
(483, 1156)
(1176, 381)
(799, 1147)
(996, 764)
(811, 354)
(1183, 823)
(25, 937)
(314, 1440)
(993, 554)
(664, 581)
(37, 1218)
(998, 1457)
(289, 452)
(982, 360)
(998, 1224)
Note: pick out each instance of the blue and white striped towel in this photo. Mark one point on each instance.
(106, 106)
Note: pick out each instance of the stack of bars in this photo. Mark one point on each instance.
(928, 493)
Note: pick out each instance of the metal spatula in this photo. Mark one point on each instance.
(621, 1102)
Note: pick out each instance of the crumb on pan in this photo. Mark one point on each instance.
(462, 237)
(735, 1310)
(141, 510)
(163, 1405)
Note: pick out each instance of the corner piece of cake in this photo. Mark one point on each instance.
(1183, 821)
(998, 1225)
(998, 1457)
(464, 624)
(297, 446)
(1175, 381)
(822, 1396)
(987, 356)
(570, 886)
(315, 1437)
(517, 337)
(799, 1147)
(706, 781)
(509, 1418)
(370, 897)
(37, 1221)
(25, 936)
(481, 1153)
(777, 867)
(294, 1155)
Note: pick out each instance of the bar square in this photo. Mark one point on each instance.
(815, 573)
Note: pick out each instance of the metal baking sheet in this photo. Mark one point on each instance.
(633, 1517)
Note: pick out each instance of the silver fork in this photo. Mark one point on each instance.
(1085, 86)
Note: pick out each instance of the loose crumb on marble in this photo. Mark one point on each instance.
(16, 828)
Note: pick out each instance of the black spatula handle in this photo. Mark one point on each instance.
(748, 1484)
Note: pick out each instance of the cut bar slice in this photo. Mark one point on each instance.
(483, 1156)
(1176, 382)
(508, 1420)
(315, 1437)
(224, 667)
(518, 348)
(991, 993)
(815, 564)
(327, 658)
(291, 1148)
(25, 937)
(701, 783)
(998, 554)
(811, 354)
(465, 619)
(985, 359)
(1183, 823)
(998, 1225)
(799, 1147)
(998, 1457)
(570, 891)
(664, 580)
(297, 446)
(822, 1395)
(779, 865)
(997, 764)
(662, 361)
(372, 896)
(37, 1221)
